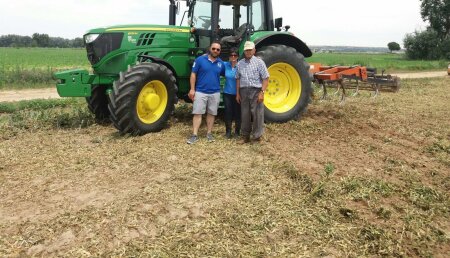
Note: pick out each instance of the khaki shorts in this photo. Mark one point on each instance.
(206, 102)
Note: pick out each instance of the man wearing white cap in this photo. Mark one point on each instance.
(252, 79)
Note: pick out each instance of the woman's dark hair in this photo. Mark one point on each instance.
(234, 50)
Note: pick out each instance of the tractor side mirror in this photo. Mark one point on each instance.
(278, 23)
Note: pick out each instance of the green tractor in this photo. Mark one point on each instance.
(140, 71)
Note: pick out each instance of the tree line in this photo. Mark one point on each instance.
(434, 42)
(39, 40)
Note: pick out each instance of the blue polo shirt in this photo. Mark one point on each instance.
(230, 76)
(208, 74)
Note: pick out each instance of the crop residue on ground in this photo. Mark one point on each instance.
(367, 178)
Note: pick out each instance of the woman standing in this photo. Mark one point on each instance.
(232, 108)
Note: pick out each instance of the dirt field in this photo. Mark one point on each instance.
(421, 75)
(16, 95)
(367, 178)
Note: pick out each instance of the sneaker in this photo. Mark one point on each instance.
(210, 137)
(193, 139)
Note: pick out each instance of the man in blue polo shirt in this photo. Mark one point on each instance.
(205, 90)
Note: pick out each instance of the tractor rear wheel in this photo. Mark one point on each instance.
(98, 104)
(142, 99)
(289, 90)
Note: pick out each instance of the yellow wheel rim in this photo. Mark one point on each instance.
(152, 102)
(284, 88)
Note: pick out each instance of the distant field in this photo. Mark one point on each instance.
(30, 58)
(33, 67)
(390, 62)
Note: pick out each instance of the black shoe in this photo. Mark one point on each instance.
(228, 133)
(244, 140)
(257, 140)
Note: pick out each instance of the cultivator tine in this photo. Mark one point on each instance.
(376, 90)
(337, 88)
(324, 89)
(356, 93)
(317, 87)
(341, 85)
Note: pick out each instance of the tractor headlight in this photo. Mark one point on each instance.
(90, 38)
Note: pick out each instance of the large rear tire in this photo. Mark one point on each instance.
(142, 99)
(289, 90)
(98, 104)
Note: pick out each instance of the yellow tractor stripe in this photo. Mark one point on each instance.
(153, 29)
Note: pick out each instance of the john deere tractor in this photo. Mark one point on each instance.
(141, 71)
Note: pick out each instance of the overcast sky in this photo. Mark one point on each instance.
(370, 23)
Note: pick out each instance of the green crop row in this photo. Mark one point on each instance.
(43, 114)
(55, 58)
(28, 77)
(27, 58)
(390, 62)
(34, 67)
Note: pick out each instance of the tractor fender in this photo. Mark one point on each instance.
(284, 39)
(158, 61)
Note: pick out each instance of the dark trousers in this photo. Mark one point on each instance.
(232, 112)
(252, 113)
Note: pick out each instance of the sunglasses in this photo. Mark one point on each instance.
(233, 55)
(215, 49)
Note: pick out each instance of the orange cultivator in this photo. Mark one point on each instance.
(353, 77)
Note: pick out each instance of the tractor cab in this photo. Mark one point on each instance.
(228, 21)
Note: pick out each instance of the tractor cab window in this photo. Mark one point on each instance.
(258, 15)
(243, 15)
(201, 18)
(232, 20)
(226, 17)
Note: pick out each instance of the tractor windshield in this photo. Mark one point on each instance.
(258, 17)
(226, 20)
(232, 14)
(201, 18)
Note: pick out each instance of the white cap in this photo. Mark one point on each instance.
(249, 45)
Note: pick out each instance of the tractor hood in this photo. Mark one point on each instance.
(101, 42)
(139, 27)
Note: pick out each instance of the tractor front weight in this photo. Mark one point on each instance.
(78, 82)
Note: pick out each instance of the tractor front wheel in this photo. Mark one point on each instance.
(142, 99)
(289, 90)
(98, 104)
